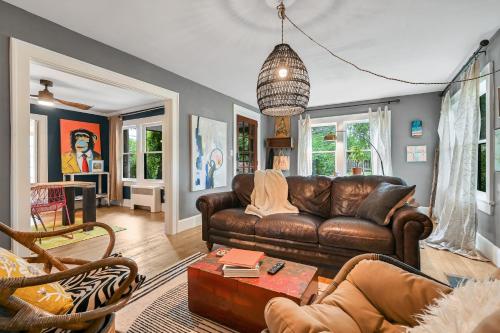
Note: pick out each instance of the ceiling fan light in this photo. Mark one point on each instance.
(45, 102)
(283, 84)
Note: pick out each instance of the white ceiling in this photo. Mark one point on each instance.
(104, 98)
(223, 43)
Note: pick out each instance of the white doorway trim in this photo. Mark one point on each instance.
(242, 111)
(21, 55)
(42, 147)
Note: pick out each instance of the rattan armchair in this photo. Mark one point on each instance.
(26, 317)
(291, 319)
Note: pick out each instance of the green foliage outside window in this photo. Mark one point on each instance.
(323, 151)
(358, 146)
(152, 161)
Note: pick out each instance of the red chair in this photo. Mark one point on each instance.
(47, 198)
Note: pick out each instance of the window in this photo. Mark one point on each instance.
(142, 154)
(130, 152)
(350, 149)
(153, 152)
(482, 158)
(485, 186)
(323, 152)
(358, 150)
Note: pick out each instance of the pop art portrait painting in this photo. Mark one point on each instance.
(80, 145)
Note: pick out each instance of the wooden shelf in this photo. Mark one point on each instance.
(279, 143)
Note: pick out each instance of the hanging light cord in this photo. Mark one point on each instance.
(371, 72)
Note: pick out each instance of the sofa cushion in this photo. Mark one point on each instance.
(296, 227)
(243, 187)
(234, 220)
(380, 205)
(349, 192)
(311, 194)
(357, 234)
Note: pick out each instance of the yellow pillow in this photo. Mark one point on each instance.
(50, 297)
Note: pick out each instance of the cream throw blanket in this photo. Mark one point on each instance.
(270, 194)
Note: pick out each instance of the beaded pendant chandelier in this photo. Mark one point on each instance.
(283, 85)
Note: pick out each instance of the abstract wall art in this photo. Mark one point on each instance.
(80, 145)
(208, 153)
(416, 153)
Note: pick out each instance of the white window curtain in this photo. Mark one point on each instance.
(455, 207)
(380, 137)
(304, 153)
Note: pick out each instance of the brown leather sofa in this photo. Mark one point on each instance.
(325, 233)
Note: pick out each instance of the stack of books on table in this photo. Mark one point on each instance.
(241, 263)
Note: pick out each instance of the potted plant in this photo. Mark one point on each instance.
(357, 155)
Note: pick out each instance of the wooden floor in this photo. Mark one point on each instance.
(145, 242)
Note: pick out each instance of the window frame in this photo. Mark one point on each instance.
(141, 124)
(341, 122)
(369, 149)
(485, 200)
(123, 153)
(335, 152)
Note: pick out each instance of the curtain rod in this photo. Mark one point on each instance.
(397, 100)
(142, 111)
(484, 43)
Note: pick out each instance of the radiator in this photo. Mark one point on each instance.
(143, 195)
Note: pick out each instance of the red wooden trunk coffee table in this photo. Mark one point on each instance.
(239, 302)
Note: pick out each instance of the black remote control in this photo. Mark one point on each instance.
(276, 268)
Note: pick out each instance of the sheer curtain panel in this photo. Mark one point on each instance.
(304, 152)
(455, 207)
(380, 137)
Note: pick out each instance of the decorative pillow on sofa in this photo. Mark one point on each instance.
(380, 205)
(93, 289)
(50, 297)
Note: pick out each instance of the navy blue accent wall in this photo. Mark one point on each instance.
(54, 139)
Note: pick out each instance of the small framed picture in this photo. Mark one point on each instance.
(282, 127)
(416, 128)
(97, 165)
(416, 154)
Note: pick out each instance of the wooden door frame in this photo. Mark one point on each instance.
(21, 55)
(247, 113)
(249, 121)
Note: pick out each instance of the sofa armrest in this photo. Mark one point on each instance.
(210, 204)
(409, 226)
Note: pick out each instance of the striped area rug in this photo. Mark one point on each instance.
(150, 285)
(161, 305)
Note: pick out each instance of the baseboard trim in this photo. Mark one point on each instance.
(188, 223)
(488, 249)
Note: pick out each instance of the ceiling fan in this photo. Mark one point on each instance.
(45, 97)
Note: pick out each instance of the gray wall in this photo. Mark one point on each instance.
(194, 98)
(422, 106)
(489, 225)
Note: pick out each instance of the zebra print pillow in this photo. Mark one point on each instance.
(93, 289)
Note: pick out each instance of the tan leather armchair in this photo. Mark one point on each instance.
(371, 293)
